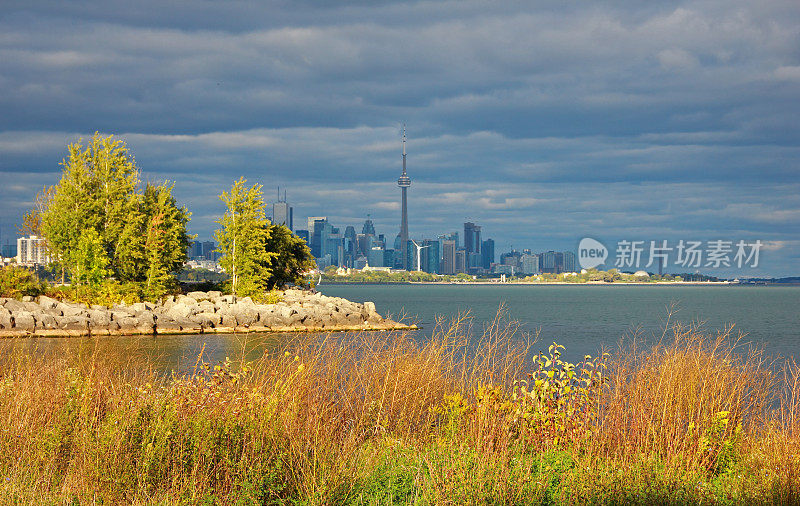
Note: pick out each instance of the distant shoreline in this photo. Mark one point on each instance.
(535, 283)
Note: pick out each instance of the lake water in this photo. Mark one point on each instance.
(583, 318)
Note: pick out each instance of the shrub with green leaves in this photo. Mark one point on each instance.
(16, 282)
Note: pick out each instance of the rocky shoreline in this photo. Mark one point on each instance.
(193, 313)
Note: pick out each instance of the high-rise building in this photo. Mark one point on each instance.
(369, 227)
(209, 252)
(376, 257)
(319, 231)
(430, 256)
(31, 251)
(461, 261)
(569, 262)
(548, 262)
(404, 182)
(472, 238)
(529, 263)
(448, 265)
(282, 212)
(487, 253)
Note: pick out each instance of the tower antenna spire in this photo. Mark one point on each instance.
(404, 182)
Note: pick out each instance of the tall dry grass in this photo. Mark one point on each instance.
(336, 418)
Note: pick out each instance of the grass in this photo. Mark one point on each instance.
(379, 418)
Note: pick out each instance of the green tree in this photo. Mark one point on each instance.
(242, 239)
(143, 234)
(91, 260)
(292, 257)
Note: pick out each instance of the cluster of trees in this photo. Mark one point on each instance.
(257, 255)
(594, 275)
(99, 224)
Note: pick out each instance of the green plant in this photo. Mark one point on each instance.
(16, 282)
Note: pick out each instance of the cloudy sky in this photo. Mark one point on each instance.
(543, 122)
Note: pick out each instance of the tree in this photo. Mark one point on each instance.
(242, 239)
(292, 256)
(143, 234)
(91, 259)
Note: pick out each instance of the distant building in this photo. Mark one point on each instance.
(430, 256)
(283, 214)
(31, 251)
(448, 265)
(487, 253)
(376, 257)
(472, 238)
(529, 264)
(304, 235)
(569, 262)
(208, 251)
(548, 262)
(369, 227)
(461, 261)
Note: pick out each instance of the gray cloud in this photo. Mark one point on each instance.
(540, 121)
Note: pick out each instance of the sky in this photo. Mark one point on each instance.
(542, 122)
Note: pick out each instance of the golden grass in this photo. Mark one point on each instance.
(375, 417)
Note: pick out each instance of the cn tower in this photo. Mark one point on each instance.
(404, 182)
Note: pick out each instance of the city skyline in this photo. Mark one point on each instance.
(614, 121)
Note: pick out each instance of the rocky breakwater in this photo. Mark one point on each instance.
(194, 313)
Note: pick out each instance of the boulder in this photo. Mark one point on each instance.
(5, 319)
(99, 319)
(77, 323)
(47, 303)
(198, 296)
(70, 309)
(24, 320)
(46, 321)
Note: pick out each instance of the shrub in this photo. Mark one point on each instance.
(16, 282)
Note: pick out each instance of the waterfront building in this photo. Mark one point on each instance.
(487, 253)
(448, 265)
(282, 212)
(404, 182)
(474, 262)
(461, 261)
(569, 262)
(529, 263)
(548, 262)
(31, 251)
(472, 238)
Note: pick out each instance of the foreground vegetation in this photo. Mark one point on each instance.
(381, 418)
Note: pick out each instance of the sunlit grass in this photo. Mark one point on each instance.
(380, 417)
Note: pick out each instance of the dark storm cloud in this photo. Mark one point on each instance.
(540, 121)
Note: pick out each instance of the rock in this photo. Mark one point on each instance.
(24, 320)
(214, 295)
(198, 296)
(27, 298)
(207, 319)
(181, 310)
(69, 309)
(46, 321)
(369, 307)
(228, 320)
(47, 303)
(99, 319)
(5, 319)
(79, 323)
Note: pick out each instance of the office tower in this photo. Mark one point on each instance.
(369, 227)
(473, 262)
(208, 250)
(282, 212)
(472, 238)
(375, 257)
(404, 182)
(548, 262)
(559, 261)
(430, 256)
(461, 261)
(487, 253)
(569, 262)
(195, 249)
(320, 233)
(448, 265)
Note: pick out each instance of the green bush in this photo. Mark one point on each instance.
(16, 282)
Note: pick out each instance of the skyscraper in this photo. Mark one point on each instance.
(369, 227)
(487, 253)
(448, 265)
(282, 213)
(472, 238)
(404, 182)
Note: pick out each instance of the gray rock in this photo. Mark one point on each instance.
(27, 298)
(369, 307)
(181, 310)
(99, 319)
(198, 296)
(214, 295)
(207, 319)
(5, 319)
(24, 320)
(47, 303)
(80, 323)
(70, 309)
(46, 321)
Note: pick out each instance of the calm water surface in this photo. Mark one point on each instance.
(583, 318)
